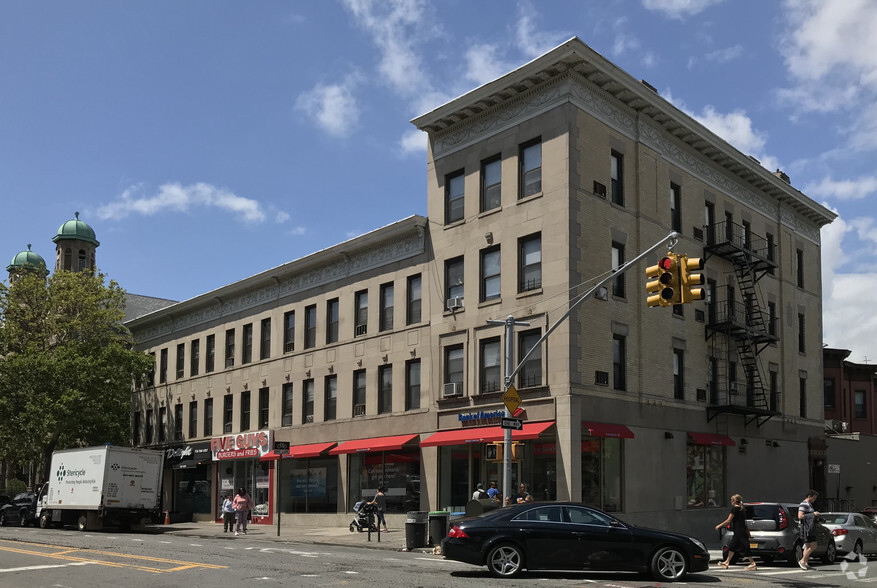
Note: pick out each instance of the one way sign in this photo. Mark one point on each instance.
(516, 424)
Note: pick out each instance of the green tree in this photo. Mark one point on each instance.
(67, 365)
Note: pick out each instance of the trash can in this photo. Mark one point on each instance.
(415, 529)
(438, 526)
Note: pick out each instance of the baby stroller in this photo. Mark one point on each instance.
(365, 517)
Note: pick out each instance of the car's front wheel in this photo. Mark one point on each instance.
(23, 518)
(669, 564)
(3, 521)
(505, 561)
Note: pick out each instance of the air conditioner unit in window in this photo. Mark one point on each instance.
(732, 387)
(455, 303)
(452, 389)
(360, 330)
(358, 409)
(309, 418)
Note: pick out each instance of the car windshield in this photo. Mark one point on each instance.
(835, 519)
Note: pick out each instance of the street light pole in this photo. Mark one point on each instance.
(510, 324)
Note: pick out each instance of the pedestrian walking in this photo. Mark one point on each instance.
(479, 493)
(807, 518)
(523, 495)
(493, 491)
(227, 513)
(740, 541)
(242, 506)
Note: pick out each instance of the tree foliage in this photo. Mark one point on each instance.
(67, 365)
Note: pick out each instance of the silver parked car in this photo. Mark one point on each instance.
(774, 534)
(853, 532)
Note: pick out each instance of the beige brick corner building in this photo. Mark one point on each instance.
(375, 360)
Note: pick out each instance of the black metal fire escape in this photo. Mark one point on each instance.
(739, 326)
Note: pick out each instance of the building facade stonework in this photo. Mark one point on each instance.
(375, 359)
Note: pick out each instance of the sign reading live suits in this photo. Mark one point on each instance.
(241, 445)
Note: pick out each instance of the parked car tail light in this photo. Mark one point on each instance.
(457, 532)
(784, 521)
(837, 532)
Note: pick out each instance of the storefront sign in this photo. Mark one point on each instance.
(243, 445)
(480, 418)
(186, 456)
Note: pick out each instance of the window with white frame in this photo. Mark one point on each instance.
(530, 262)
(454, 201)
(530, 168)
(491, 183)
(490, 274)
(491, 365)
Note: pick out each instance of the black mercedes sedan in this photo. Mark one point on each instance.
(569, 536)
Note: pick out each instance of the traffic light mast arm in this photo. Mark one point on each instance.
(673, 237)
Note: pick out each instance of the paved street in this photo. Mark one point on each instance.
(200, 555)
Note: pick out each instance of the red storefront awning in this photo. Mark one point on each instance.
(483, 435)
(607, 430)
(711, 439)
(301, 451)
(373, 444)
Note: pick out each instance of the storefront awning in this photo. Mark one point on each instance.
(301, 451)
(483, 435)
(711, 439)
(607, 430)
(373, 444)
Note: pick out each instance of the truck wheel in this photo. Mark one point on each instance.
(82, 523)
(45, 520)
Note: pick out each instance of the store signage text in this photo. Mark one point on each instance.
(480, 417)
(241, 445)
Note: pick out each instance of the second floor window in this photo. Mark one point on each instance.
(678, 374)
(227, 413)
(617, 261)
(149, 427)
(359, 393)
(245, 410)
(208, 417)
(799, 262)
(229, 348)
(385, 389)
(307, 401)
(181, 360)
(531, 168)
(330, 400)
(619, 361)
(491, 366)
(135, 431)
(491, 183)
(828, 392)
(531, 371)
(454, 191)
(616, 173)
(360, 302)
(265, 339)
(310, 326)
(263, 408)
(193, 419)
(289, 331)
(162, 367)
(675, 207)
(162, 424)
(286, 415)
(490, 274)
(860, 408)
(802, 339)
(210, 360)
(247, 355)
(530, 263)
(194, 357)
(178, 422)
(386, 314)
(453, 384)
(412, 384)
(413, 305)
(332, 321)
(454, 280)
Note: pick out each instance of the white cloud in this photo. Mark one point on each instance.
(297, 231)
(531, 41)
(725, 55)
(179, 198)
(623, 42)
(734, 127)
(281, 217)
(854, 189)
(332, 107)
(413, 141)
(679, 8)
(483, 65)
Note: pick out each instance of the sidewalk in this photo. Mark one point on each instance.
(392, 541)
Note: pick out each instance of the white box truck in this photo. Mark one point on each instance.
(95, 486)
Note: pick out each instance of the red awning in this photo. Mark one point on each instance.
(373, 444)
(301, 451)
(483, 435)
(711, 439)
(607, 430)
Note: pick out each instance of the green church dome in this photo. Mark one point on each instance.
(27, 260)
(76, 229)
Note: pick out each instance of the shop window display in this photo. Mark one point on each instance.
(397, 471)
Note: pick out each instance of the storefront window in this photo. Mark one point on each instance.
(397, 471)
(706, 475)
(602, 467)
(309, 485)
(249, 474)
(192, 492)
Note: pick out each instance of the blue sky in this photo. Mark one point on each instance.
(206, 141)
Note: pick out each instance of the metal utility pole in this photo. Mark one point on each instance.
(510, 324)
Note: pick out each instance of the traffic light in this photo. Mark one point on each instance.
(493, 451)
(690, 280)
(663, 287)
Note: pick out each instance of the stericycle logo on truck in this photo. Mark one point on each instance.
(71, 476)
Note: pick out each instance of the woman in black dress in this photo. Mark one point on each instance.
(740, 541)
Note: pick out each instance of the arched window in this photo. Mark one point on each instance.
(82, 260)
(68, 260)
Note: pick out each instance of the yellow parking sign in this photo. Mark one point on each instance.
(511, 399)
